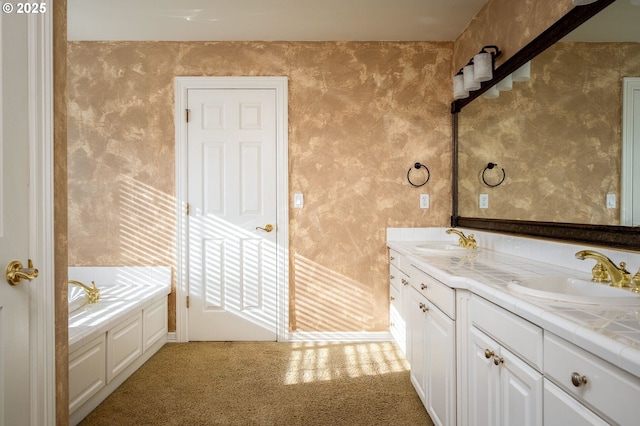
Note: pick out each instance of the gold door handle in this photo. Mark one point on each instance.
(267, 228)
(15, 272)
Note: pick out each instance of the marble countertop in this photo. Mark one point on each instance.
(117, 302)
(610, 332)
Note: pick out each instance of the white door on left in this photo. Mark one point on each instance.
(14, 221)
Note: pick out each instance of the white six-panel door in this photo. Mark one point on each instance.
(630, 188)
(232, 204)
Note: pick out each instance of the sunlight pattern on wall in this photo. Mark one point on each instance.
(328, 300)
(146, 224)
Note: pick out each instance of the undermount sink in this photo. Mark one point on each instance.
(441, 248)
(574, 290)
(77, 298)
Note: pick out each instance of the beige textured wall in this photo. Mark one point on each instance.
(508, 24)
(360, 114)
(558, 136)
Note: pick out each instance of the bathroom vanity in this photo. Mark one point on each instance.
(483, 350)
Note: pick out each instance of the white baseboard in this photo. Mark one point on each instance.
(339, 336)
(171, 337)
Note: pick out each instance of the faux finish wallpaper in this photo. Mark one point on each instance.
(360, 114)
(508, 24)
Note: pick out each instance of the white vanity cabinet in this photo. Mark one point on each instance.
(584, 387)
(504, 380)
(398, 300)
(432, 340)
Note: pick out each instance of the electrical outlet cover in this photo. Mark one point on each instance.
(424, 201)
(484, 201)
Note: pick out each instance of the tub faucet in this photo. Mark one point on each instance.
(93, 292)
(465, 241)
(618, 275)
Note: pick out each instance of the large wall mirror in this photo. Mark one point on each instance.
(565, 137)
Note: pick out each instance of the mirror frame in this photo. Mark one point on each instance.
(623, 237)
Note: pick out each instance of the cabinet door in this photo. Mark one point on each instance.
(561, 409)
(440, 388)
(482, 381)
(520, 391)
(397, 308)
(416, 349)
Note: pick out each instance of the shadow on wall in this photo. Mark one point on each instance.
(327, 300)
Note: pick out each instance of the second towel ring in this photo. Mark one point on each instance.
(489, 167)
(418, 166)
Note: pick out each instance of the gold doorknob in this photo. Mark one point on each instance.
(15, 272)
(267, 228)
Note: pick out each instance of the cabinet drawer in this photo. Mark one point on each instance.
(515, 333)
(394, 298)
(561, 409)
(610, 391)
(438, 293)
(394, 258)
(124, 344)
(86, 372)
(394, 277)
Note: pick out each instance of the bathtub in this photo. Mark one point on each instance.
(111, 339)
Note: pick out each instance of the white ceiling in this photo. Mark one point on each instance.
(618, 22)
(269, 20)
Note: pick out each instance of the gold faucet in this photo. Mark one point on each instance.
(618, 275)
(635, 281)
(467, 242)
(93, 292)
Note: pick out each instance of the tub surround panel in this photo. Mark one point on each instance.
(120, 332)
(360, 114)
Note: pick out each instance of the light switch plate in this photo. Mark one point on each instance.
(483, 201)
(611, 201)
(298, 201)
(424, 201)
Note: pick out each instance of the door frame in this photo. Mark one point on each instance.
(182, 86)
(41, 218)
(630, 92)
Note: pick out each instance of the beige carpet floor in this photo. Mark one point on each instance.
(241, 383)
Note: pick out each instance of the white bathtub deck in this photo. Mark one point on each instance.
(123, 290)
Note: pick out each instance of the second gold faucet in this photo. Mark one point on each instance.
(468, 242)
(607, 271)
